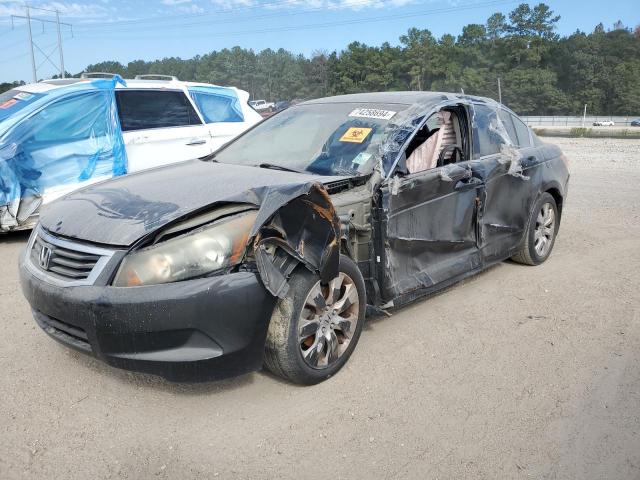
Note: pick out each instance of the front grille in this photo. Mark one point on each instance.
(64, 262)
(64, 332)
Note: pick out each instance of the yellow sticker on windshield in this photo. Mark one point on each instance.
(355, 135)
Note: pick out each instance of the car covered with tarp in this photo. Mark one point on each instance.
(60, 135)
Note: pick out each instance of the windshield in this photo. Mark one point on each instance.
(325, 139)
(15, 100)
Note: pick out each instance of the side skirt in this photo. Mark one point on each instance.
(421, 293)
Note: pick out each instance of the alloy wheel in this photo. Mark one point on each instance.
(545, 229)
(327, 321)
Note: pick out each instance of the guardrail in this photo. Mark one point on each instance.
(571, 121)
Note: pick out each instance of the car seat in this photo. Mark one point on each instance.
(425, 156)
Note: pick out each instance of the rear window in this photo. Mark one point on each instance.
(217, 104)
(146, 109)
(14, 100)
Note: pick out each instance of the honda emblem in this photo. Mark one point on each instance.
(45, 257)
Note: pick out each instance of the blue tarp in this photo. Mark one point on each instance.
(69, 135)
(217, 104)
(15, 100)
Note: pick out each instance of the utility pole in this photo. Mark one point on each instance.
(33, 45)
(584, 115)
(499, 92)
(60, 44)
(33, 57)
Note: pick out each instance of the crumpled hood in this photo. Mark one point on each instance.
(121, 211)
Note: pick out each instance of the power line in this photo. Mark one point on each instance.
(18, 42)
(233, 10)
(25, 54)
(227, 20)
(32, 43)
(319, 25)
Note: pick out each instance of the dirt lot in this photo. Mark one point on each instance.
(520, 372)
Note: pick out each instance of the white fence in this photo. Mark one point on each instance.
(560, 121)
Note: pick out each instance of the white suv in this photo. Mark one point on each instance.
(59, 135)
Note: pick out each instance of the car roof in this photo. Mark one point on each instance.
(404, 98)
(48, 85)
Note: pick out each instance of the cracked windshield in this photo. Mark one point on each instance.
(325, 139)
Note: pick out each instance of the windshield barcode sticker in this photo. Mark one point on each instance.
(372, 113)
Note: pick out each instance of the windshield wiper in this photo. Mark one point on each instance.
(209, 158)
(273, 166)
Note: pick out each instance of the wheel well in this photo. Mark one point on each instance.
(555, 193)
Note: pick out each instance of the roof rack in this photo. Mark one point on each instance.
(61, 81)
(168, 78)
(97, 75)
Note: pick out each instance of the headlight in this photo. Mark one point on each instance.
(192, 255)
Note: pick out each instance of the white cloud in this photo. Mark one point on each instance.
(191, 8)
(229, 4)
(68, 10)
(175, 2)
(329, 4)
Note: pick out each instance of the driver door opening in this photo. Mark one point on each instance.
(440, 141)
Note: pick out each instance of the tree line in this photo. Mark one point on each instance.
(541, 72)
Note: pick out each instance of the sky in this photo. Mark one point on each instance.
(126, 30)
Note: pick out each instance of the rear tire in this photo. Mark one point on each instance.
(311, 338)
(542, 229)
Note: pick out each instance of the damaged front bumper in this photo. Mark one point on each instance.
(196, 330)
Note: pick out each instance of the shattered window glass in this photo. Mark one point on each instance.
(505, 118)
(487, 135)
(522, 132)
(326, 139)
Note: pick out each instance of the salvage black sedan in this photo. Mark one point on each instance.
(271, 250)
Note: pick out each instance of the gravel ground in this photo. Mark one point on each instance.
(519, 372)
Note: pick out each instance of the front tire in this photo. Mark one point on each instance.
(541, 232)
(316, 327)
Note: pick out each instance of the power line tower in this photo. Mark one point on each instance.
(33, 45)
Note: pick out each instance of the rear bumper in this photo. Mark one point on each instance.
(196, 330)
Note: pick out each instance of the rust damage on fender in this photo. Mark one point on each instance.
(304, 230)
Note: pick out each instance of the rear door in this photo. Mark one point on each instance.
(160, 127)
(500, 156)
